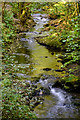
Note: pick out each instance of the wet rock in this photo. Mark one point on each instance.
(46, 25)
(52, 53)
(58, 84)
(59, 60)
(47, 69)
(60, 56)
(46, 56)
(55, 25)
(59, 70)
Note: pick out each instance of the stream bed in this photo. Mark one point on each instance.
(32, 61)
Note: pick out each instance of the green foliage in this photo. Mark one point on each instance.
(6, 82)
(73, 43)
(7, 27)
(12, 107)
(15, 8)
(71, 83)
(71, 78)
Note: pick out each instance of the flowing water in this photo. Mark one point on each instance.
(33, 60)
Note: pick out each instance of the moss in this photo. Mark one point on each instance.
(69, 83)
(50, 41)
(66, 87)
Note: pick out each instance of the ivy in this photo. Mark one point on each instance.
(73, 43)
(8, 30)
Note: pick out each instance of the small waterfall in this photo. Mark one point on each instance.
(59, 95)
(63, 99)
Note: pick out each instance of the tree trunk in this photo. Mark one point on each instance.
(3, 8)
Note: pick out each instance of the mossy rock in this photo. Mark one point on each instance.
(58, 84)
(46, 91)
(53, 16)
(55, 43)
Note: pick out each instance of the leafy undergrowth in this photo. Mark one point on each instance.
(71, 57)
(14, 93)
(14, 104)
(8, 30)
(73, 47)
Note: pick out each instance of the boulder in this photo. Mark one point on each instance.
(47, 69)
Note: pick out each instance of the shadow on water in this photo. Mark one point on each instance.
(31, 60)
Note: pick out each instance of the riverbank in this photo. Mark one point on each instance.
(65, 38)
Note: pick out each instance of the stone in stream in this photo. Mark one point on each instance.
(60, 56)
(52, 53)
(46, 25)
(59, 70)
(59, 60)
(55, 25)
(47, 69)
(57, 84)
(46, 56)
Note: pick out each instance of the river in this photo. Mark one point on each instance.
(33, 60)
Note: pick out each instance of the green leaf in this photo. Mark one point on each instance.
(64, 41)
